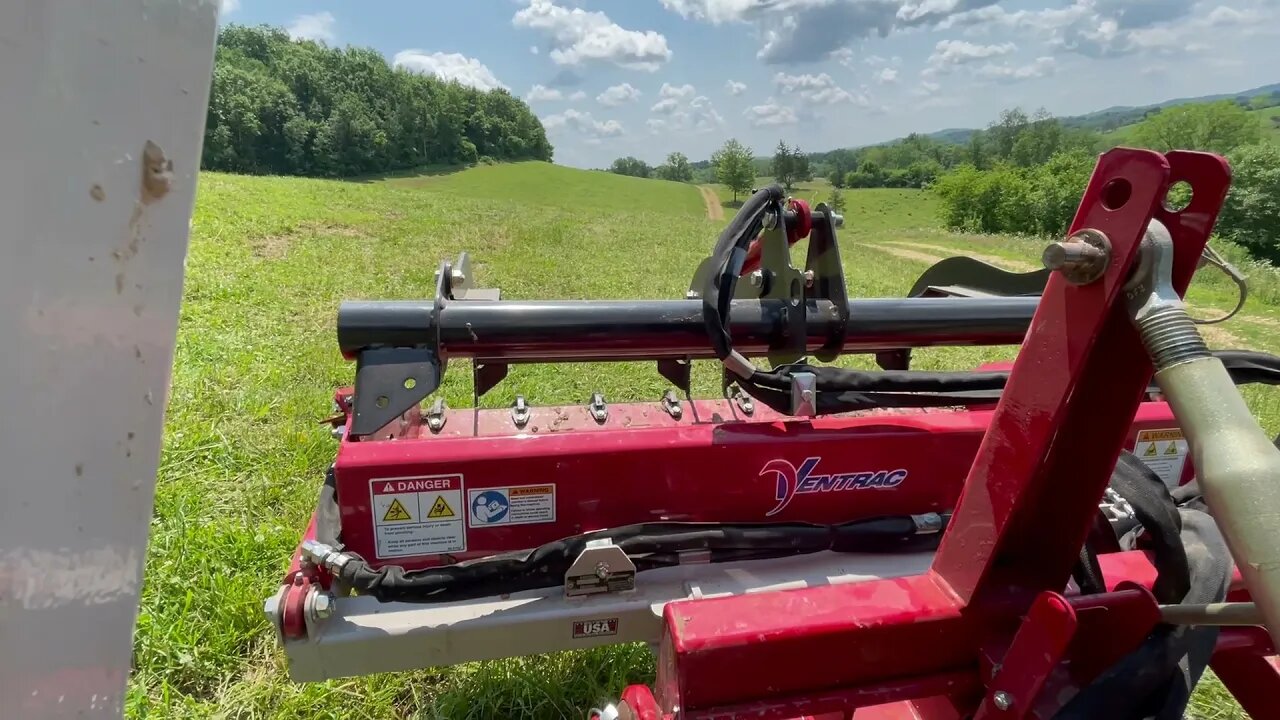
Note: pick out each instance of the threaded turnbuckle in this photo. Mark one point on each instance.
(1159, 313)
(1170, 336)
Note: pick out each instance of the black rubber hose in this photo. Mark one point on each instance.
(1161, 524)
(728, 255)
(652, 545)
(841, 390)
(1156, 679)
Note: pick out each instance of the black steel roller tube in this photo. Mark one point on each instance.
(564, 331)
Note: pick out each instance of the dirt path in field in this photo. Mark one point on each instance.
(715, 211)
(1000, 262)
(904, 253)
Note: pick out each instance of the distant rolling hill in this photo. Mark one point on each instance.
(1118, 117)
(1114, 123)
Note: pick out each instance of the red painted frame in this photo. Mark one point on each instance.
(1025, 509)
(662, 469)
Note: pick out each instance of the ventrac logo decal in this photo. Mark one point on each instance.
(802, 480)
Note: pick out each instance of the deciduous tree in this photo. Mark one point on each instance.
(733, 167)
(1218, 127)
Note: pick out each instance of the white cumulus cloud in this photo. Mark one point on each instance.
(810, 30)
(770, 114)
(1008, 73)
(820, 88)
(314, 26)
(583, 124)
(733, 87)
(958, 52)
(578, 36)
(448, 66)
(578, 95)
(683, 110)
(672, 97)
(228, 6)
(619, 94)
(541, 93)
(887, 75)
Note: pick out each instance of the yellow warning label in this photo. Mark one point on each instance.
(440, 509)
(396, 513)
(1150, 451)
(1172, 449)
(1154, 435)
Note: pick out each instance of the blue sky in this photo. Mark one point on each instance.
(647, 77)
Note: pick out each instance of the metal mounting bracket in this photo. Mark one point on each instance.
(602, 567)
(598, 408)
(520, 412)
(391, 380)
(824, 273)
(786, 283)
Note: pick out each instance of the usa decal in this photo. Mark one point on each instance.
(595, 628)
(793, 481)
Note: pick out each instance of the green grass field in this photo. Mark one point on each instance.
(256, 363)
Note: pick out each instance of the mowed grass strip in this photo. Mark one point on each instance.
(257, 362)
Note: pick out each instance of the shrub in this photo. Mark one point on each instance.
(1251, 213)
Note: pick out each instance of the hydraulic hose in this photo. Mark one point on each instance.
(650, 546)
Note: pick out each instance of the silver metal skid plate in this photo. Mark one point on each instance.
(365, 636)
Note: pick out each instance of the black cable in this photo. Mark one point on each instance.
(1161, 525)
(650, 545)
(728, 255)
(841, 390)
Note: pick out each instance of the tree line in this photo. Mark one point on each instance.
(297, 107)
(1040, 197)
(677, 168)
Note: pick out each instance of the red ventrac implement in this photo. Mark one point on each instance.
(1048, 540)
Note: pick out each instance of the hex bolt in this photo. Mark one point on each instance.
(756, 278)
(808, 278)
(321, 606)
(1002, 700)
(602, 570)
(1081, 258)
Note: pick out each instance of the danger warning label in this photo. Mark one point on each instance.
(1164, 451)
(417, 516)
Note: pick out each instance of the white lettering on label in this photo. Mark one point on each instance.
(400, 486)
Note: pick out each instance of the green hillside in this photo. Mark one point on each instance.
(1270, 120)
(540, 182)
(1116, 119)
(1267, 119)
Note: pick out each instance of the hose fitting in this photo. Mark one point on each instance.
(325, 556)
